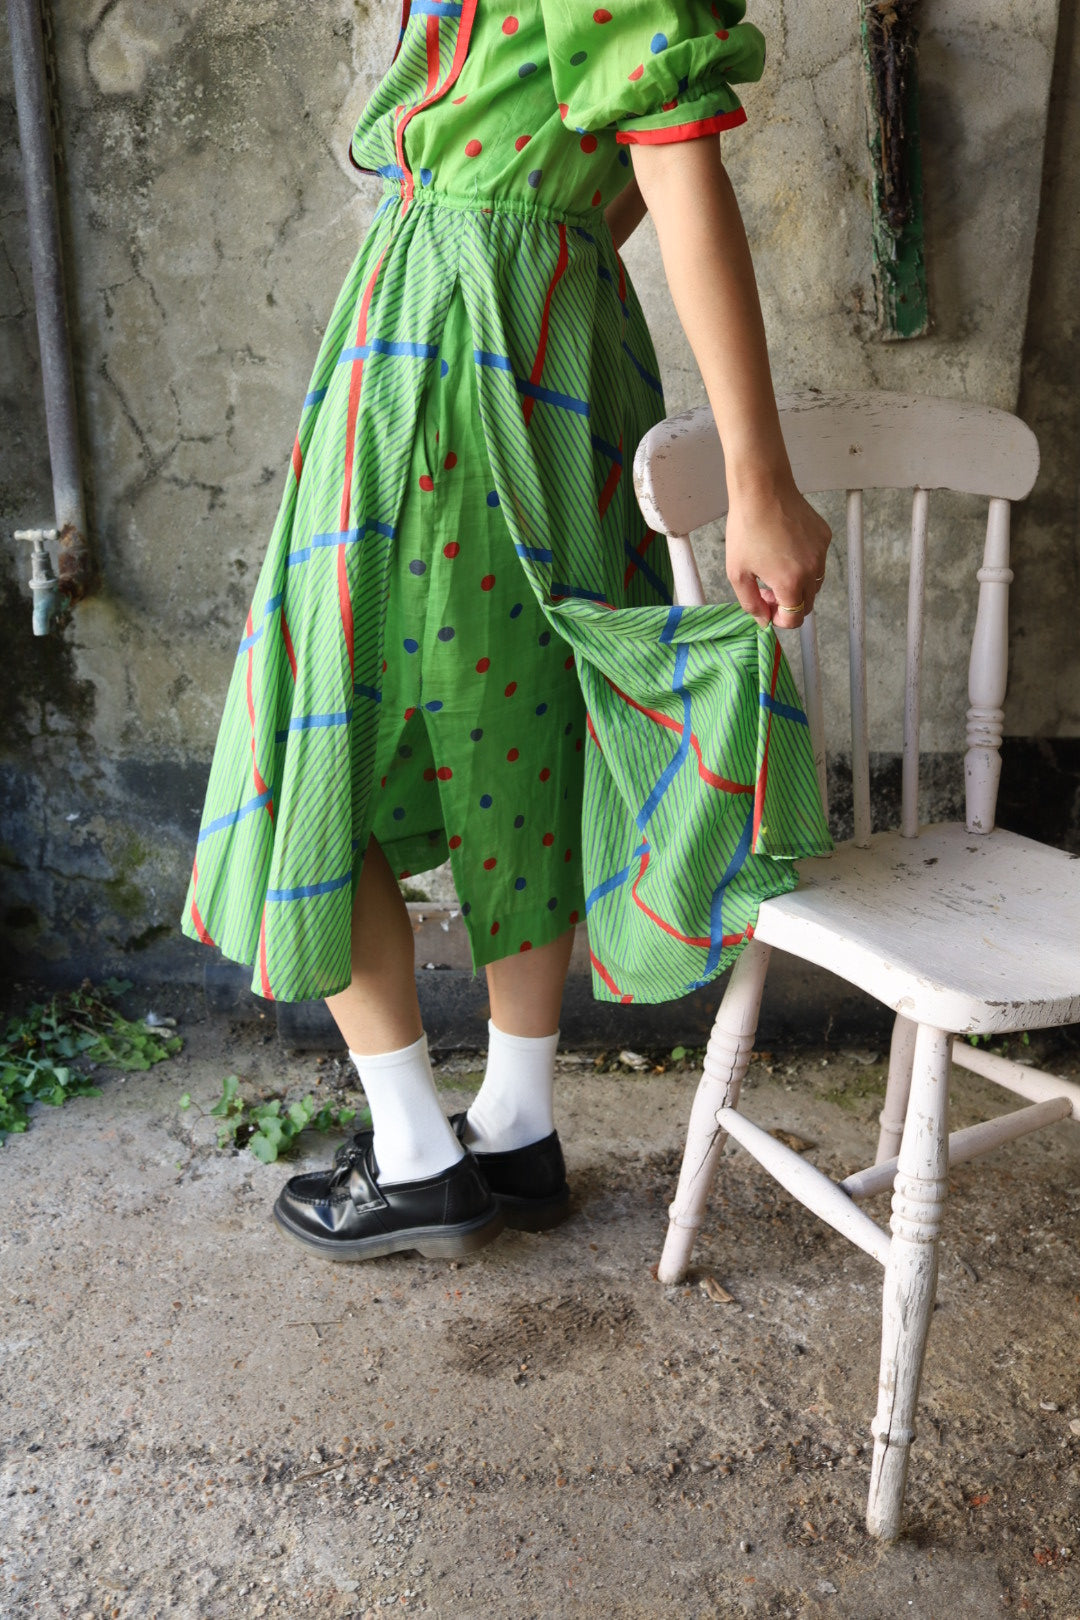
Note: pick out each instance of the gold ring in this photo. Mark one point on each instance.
(819, 579)
(798, 608)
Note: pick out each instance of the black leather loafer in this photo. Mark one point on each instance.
(528, 1182)
(344, 1214)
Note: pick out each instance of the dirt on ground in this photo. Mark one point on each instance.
(200, 1420)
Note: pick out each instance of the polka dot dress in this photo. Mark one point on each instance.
(480, 752)
(462, 638)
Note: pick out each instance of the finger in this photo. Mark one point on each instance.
(793, 603)
(750, 598)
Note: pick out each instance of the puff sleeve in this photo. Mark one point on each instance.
(658, 70)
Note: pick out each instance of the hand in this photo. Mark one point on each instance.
(774, 536)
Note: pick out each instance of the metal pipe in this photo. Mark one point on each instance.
(43, 219)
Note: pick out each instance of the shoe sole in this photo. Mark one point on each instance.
(534, 1214)
(434, 1242)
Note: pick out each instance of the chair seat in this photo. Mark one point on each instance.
(972, 933)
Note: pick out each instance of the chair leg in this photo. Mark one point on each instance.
(901, 1055)
(726, 1059)
(910, 1277)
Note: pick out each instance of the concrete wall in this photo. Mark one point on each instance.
(211, 217)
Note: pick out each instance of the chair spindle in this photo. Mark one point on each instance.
(987, 673)
(689, 591)
(812, 697)
(860, 749)
(909, 817)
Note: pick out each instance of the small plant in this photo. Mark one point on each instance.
(269, 1128)
(46, 1051)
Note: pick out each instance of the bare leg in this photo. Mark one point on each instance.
(526, 990)
(379, 1012)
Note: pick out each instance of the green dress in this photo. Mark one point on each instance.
(462, 638)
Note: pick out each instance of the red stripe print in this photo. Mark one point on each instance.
(592, 731)
(608, 980)
(652, 915)
(610, 486)
(431, 40)
(640, 549)
(260, 785)
(721, 782)
(297, 459)
(435, 91)
(541, 349)
(289, 649)
(704, 944)
(263, 973)
(763, 774)
(200, 926)
(682, 132)
(406, 7)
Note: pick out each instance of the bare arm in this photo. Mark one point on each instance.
(626, 213)
(773, 534)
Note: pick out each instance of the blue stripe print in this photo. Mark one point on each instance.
(314, 722)
(606, 449)
(368, 692)
(716, 920)
(391, 171)
(784, 710)
(578, 594)
(534, 553)
(674, 766)
(668, 632)
(611, 883)
(434, 8)
(548, 396)
(249, 641)
(339, 537)
(308, 891)
(650, 573)
(653, 382)
(236, 815)
(419, 351)
(316, 397)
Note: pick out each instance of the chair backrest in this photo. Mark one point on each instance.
(856, 442)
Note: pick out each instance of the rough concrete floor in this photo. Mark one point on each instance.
(198, 1421)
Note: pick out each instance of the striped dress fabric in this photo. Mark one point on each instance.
(500, 137)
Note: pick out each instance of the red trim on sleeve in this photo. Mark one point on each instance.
(682, 132)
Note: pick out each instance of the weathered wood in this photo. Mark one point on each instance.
(970, 1143)
(807, 1183)
(909, 815)
(689, 591)
(892, 1116)
(890, 62)
(860, 737)
(987, 674)
(841, 441)
(910, 1278)
(975, 935)
(1020, 1078)
(813, 702)
(726, 1059)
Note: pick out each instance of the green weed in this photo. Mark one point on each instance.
(46, 1051)
(269, 1129)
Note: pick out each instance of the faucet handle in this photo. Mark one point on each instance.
(35, 536)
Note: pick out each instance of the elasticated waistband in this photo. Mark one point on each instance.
(593, 218)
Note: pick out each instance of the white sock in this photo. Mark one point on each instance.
(413, 1138)
(514, 1106)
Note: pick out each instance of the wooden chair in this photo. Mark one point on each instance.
(959, 929)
